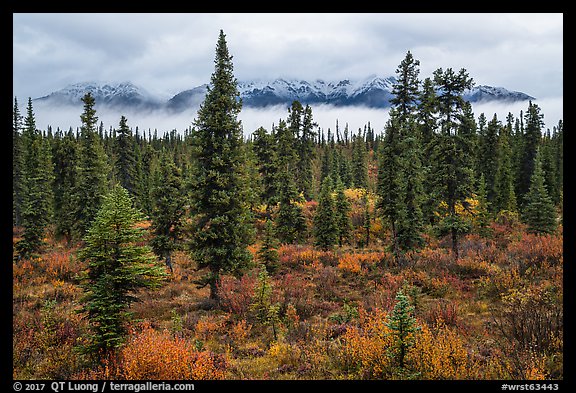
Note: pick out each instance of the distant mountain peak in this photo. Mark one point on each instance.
(373, 91)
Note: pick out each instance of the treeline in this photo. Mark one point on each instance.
(432, 160)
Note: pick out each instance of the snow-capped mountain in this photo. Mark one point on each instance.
(373, 92)
(123, 95)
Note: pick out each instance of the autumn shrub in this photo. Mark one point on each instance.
(285, 355)
(298, 256)
(498, 282)
(157, 355)
(432, 258)
(365, 350)
(236, 294)
(533, 318)
(444, 312)
(209, 326)
(326, 280)
(61, 264)
(297, 290)
(43, 342)
(439, 353)
(350, 263)
(536, 251)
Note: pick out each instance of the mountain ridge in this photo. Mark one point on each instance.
(373, 91)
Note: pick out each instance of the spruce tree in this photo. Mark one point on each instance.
(483, 209)
(404, 328)
(342, 212)
(168, 211)
(223, 227)
(505, 197)
(427, 125)
(264, 147)
(452, 154)
(66, 159)
(37, 177)
(268, 253)
(359, 162)
(125, 158)
(489, 158)
(325, 224)
(531, 139)
(117, 267)
(389, 181)
(92, 172)
(290, 223)
(539, 212)
(17, 164)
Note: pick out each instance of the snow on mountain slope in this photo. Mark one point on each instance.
(372, 92)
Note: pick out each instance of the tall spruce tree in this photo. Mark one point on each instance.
(66, 158)
(17, 164)
(452, 154)
(125, 158)
(290, 223)
(359, 162)
(223, 227)
(37, 176)
(401, 182)
(264, 147)
(427, 124)
(342, 211)
(539, 212)
(505, 197)
(531, 139)
(488, 156)
(117, 267)
(92, 172)
(389, 183)
(169, 207)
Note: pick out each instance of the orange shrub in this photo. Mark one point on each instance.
(207, 327)
(536, 251)
(350, 263)
(358, 262)
(365, 348)
(440, 354)
(61, 264)
(154, 355)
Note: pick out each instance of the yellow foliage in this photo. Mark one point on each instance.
(285, 354)
(365, 349)
(439, 355)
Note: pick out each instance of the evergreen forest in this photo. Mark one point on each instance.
(428, 247)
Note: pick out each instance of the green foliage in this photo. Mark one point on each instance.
(268, 253)
(117, 266)
(539, 212)
(92, 172)
(125, 158)
(403, 326)
(168, 212)
(289, 222)
(223, 227)
(36, 187)
(325, 220)
(342, 210)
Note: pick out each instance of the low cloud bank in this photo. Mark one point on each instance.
(325, 116)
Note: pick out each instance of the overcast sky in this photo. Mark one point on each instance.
(168, 53)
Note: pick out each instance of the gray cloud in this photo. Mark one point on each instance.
(167, 53)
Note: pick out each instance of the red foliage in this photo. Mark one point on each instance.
(236, 294)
